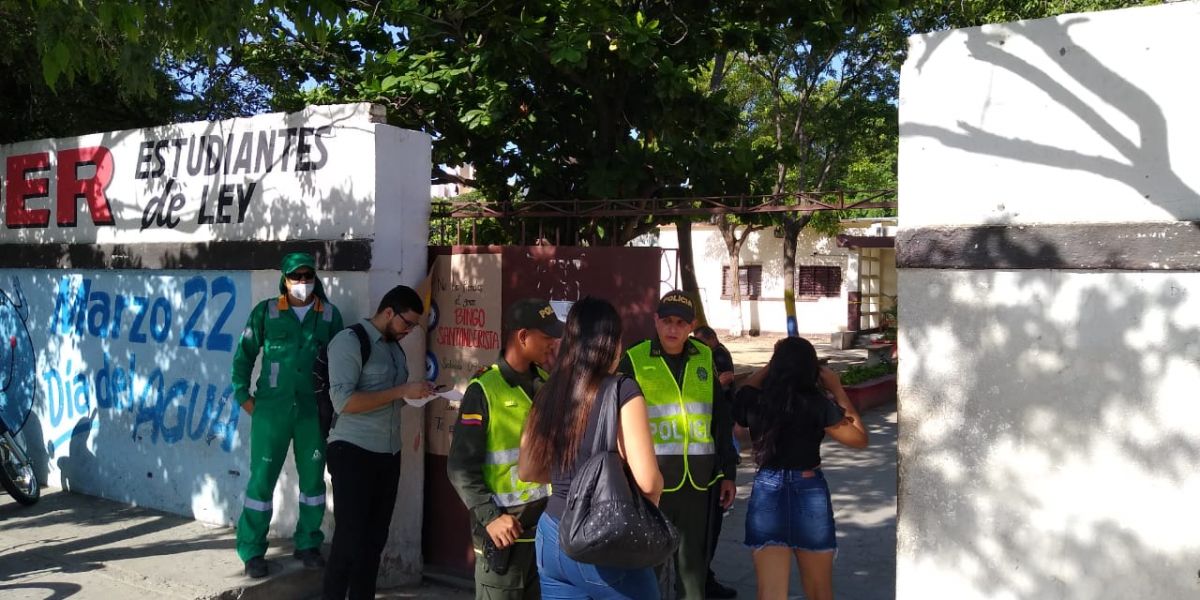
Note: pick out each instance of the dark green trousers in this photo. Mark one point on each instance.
(520, 582)
(690, 510)
(272, 428)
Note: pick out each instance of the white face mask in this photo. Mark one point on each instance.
(301, 291)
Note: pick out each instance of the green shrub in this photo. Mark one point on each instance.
(859, 373)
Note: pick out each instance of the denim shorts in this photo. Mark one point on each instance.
(787, 509)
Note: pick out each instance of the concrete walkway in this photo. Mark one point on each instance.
(863, 485)
(749, 352)
(81, 547)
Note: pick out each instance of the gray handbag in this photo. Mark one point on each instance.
(607, 521)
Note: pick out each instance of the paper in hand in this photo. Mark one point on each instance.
(446, 392)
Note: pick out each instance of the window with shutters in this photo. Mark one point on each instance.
(813, 282)
(749, 279)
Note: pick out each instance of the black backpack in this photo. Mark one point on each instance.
(325, 410)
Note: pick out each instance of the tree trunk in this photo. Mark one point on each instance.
(789, 280)
(792, 226)
(733, 243)
(737, 326)
(687, 267)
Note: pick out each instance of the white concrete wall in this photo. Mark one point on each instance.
(823, 315)
(279, 176)
(159, 441)
(1048, 442)
(1048, 439)
(1082, 118)
(399, 253)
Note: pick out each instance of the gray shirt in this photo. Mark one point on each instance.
(377, 430)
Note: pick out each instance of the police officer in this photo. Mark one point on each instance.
(691, 425)
(288, 330)
(482, 464)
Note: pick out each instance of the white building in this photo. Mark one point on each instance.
(442, 191)
(842, 283)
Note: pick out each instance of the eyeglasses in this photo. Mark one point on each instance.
(302, 276)
(409, 324)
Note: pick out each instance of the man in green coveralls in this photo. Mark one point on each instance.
(482, 464)
(288, 330)
(691, 426)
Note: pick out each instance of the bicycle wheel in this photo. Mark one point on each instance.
(16, 472)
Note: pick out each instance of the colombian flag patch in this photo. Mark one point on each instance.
(469, 419)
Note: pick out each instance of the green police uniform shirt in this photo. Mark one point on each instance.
(469, 451)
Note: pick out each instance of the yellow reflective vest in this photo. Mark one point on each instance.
(680, 419)
(508, 406)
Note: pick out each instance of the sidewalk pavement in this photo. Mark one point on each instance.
(82, 547)
(863, 486)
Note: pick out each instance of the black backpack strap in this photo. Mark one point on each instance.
(364, 341)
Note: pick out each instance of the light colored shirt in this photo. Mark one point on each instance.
(302, 310)
(376, 430)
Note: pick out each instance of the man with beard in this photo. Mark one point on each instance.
(364, 442)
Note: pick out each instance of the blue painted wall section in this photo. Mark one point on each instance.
(148, 352)
(17, 359)
(166, 407)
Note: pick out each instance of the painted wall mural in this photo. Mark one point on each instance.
(17, 362)
(132, 364)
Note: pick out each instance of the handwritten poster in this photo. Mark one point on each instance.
(464, 332)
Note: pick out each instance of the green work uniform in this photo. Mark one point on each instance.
(482, 466)
(285, 411)
(691, 427)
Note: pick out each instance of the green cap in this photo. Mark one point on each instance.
(295, 261)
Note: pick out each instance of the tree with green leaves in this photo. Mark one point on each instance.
(819, 113)
(551, 100)
(813, 113)
(106, 66)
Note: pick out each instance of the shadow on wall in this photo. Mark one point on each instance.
(1147, 157)
(165, 433)
(304, 204)
(1042, 448)
(136, 407)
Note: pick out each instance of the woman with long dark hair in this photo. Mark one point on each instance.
(790, 514)
(558, 439)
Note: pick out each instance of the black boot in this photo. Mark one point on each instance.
(311, 557)
(256, 568)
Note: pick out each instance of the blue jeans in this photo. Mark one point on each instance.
(563, 577)
(788, 509)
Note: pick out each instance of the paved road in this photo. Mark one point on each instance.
(863, 485)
